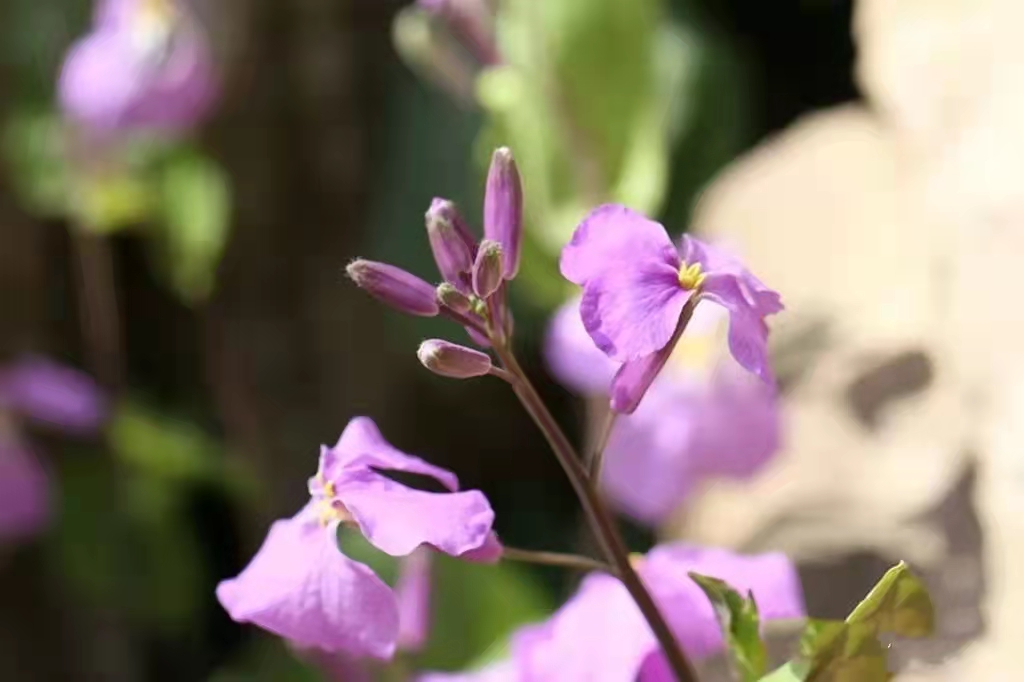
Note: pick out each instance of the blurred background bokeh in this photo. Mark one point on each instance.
(861, 156)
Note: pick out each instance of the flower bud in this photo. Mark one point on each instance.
(503, 208)
(452, 360)
(394, 286)
(488, 269)
(450, 242)
(450, 297)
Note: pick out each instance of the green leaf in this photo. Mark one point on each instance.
(847, 652)
(898, 604)
(792, 671)
(740, 624)
(196, 208)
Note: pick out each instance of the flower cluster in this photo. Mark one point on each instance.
(472, 291)
(637, 286)
(600, 635)
(37, 390)
(633, 617)
(146, 64)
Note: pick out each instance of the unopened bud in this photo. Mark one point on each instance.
(488, 269)
(450, 242)
(450, 297)
(394, 286)
(503, 208)
(452, 360)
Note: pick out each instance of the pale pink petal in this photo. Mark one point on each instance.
(300, 586)
(397, 519)
(362, 446)
(599, 635)
(412, 594)
(612, 234)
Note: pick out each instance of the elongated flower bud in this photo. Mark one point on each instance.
(503, 208)
(450, 242)
(488, 269)
(450, 297)
(452, 360)
(396, 287)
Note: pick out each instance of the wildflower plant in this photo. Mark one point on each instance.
(643, 618)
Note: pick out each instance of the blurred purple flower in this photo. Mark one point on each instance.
(703, 417)
(146, 64)
(599, 634)
(636, 284)
(24, 494)
(38, 390)
(301, 587)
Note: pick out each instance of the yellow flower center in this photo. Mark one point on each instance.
(636, 560)
(690, 276)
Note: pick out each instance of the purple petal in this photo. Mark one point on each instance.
(488, 553)
(395, 287)
(397, 519)
(610, 236)
(24, 494)
(599, 635)
(649, 464)
(45, 391)
(300, 586)
(412, 594)
(112, 80)
(362, 446)
(103, 76)
(573, 357)
(739, 425)
(634, 378)
(748, 333)
(633, 311)
(771, 577)
(503, 209)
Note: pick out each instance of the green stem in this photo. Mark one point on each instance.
(597, 453)
(575, 561)
(601, 521)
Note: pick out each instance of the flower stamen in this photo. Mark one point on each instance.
(690, 276)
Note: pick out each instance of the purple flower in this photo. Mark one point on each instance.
(43, 391)
(636, 284)
(146, 64)
(301, 587)
(599, 635)
(703, 417)
(38, 390)
(24, 494)
(412, 596)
